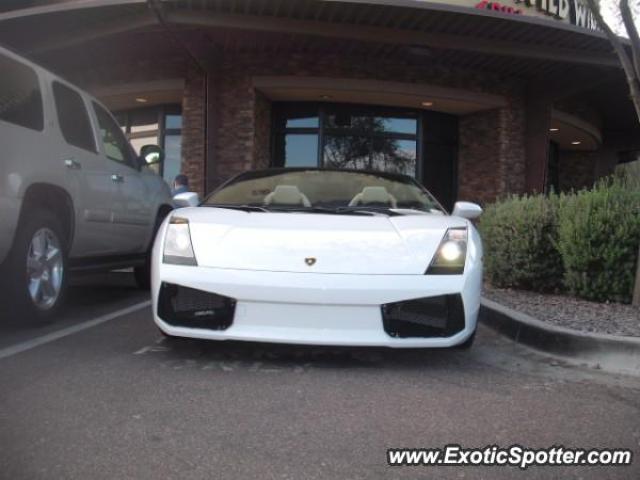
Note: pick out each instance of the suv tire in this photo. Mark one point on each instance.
(142, 274)
(37, 267)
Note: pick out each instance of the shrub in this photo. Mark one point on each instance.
(598, 237)
(519, 236)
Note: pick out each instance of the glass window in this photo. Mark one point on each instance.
(20, 98)
(346, 136)
(381, 154)
(301, 150)
(347, 151)
(361, 121)
(73, 118)
(395, 156)
(156, 126)
(115, 143)
(400, 125)
(303, 122)
(172, 121)
(121, 118)
(172, 159)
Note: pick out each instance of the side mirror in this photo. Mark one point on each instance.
(151, 155)
(466, 210)
(186, 199)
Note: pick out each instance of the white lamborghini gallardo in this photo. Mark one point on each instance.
(319, 257)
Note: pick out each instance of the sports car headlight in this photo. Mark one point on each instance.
(177, 243)
(451, 254)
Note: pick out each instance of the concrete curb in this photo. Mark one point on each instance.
(612, 353)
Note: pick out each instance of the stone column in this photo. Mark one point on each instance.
(193, 128)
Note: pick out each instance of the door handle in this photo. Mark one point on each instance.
(117, 178)
(72, 164)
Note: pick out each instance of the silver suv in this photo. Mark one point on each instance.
(73, 194)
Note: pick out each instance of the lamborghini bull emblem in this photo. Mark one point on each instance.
(310, 261)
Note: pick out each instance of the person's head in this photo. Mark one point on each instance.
(181, 181)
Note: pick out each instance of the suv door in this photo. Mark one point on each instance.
(87, 171)
(132, 204)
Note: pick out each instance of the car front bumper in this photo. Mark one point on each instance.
(317, 309)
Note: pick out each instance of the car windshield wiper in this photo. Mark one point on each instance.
(244, 208)
(325, 210)
(368, 210)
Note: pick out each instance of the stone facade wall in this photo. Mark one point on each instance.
(193, 129)
(480, 171)
(512, 156)
(576, 170)
(491, 153)
(262, 140)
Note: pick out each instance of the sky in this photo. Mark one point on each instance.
(611, 14)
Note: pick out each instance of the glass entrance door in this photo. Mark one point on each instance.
(370, 139)
(347, 136)
(419, 143)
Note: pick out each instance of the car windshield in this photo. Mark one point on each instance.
(324, 191)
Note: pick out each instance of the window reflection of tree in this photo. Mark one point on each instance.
(371, 149)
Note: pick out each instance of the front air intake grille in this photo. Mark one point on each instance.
(188, 307)
(441, 316)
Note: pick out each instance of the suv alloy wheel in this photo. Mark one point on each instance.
(37, 267)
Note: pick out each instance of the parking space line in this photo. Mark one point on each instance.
(50, 337)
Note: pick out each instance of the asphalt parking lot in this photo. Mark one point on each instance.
(118, 400)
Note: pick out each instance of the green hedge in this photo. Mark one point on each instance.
(519, 237)
(583, 242)
(598, 237)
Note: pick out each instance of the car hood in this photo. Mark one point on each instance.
(316, 243)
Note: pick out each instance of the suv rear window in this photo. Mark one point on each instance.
(20, 97)
(73, 117)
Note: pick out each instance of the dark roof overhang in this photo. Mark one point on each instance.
(555, 58)
(408, 22)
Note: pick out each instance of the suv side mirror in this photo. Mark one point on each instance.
(186, 199)
(151, 155)
(466, 210)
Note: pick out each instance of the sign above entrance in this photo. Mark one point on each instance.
(498, 7)
(575, 12)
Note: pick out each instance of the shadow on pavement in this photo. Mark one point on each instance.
(89, 296)
(250, 355)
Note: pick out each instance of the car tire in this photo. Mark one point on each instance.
(37, 268)
(468, 343)
(142, 273)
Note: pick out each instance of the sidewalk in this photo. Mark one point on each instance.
(615, 354)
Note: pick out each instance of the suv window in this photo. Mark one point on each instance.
(20, 97)
(73, 117)
(116, 146)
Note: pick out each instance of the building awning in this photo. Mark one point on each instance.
(551, 57)
(434, 25)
